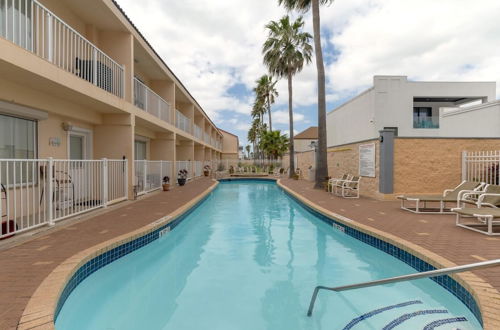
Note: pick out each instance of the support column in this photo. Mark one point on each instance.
(386, 180)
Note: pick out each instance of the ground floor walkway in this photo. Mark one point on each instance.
(24, 266)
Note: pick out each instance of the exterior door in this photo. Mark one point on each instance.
(79, 171)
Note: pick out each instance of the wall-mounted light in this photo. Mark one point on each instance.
(67, 126)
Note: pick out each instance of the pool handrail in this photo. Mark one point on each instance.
(409, 277)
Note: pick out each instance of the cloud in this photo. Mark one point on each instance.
(214, 45)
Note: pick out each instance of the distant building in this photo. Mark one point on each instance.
(230, 147)
(303, 140)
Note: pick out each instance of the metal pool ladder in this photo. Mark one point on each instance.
(409, 277)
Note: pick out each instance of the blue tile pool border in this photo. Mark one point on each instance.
(420, 265)
(109, 256)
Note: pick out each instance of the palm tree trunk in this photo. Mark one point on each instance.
(290, 115)
(269, 112)
(321, 154)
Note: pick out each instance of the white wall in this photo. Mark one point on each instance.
(478, 121)
(352, 121)
(301, 145)
(389, 103)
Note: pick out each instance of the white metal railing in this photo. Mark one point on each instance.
(32, 26)
(151, 102)
(198, 168)
(182, 122)
(185, 165)
(198, 132)
(481, 166)
(36, 192)
(149, 174)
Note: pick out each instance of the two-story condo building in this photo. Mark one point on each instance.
(89, 112)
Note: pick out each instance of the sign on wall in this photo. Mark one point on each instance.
(367, 160)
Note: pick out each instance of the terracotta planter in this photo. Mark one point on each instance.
(206, 173)
(166, 186)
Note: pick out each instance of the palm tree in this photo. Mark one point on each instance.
(258, 109)
(247, 148)
(274, 144)
(304, 6)
(266, 92)
(286, 50)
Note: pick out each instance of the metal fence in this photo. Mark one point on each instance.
(481, 166)
(197, 132)
(182, 122)
(35, 192)
(149, 174)
(185, 165)
(151, 102)
(32, 26)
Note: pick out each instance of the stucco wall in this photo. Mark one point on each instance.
(301, 145)
(432, 165)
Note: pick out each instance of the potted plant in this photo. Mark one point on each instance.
(206, 170)
(165, 183)
(231, 169)
(182, 177)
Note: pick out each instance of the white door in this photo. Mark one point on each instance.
(79, 145)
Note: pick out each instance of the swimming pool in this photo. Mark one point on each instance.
(248, 257)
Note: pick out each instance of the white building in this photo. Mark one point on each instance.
(302, 141)
(416, 109)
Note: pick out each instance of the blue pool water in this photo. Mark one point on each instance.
(248, 258)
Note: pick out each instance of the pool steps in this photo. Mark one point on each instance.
(406, 316)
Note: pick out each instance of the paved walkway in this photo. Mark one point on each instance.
(23, 267)
(437, 233)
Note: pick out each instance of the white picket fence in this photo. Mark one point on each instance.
(36, 192)
(149, 174)
(481, 166)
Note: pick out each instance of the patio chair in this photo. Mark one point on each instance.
(448, 196)
(337, 182)
(350, 188)
(487, 210)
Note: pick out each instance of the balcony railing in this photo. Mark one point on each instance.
(36, 192)
(151, 102)
(30, 25)
(198, 132)
(427, 123)
(206, 138)
(182, 122)
(149, 174)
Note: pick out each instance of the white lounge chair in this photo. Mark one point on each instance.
(337, 182)
(350, 188)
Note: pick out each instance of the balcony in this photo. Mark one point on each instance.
(198, 133)
(182, 122)
(33, 27)
(151, 102)
(427, 123)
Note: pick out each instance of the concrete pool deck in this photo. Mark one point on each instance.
(26, 263)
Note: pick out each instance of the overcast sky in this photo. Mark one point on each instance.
(214, 47)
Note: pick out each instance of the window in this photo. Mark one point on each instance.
(140, 150)
(422, 118)
(17, 141)
(17, 138)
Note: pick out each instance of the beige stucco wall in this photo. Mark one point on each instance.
(229, 144)
(301, 145)
(432, 165)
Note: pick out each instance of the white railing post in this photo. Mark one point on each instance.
(105, 182)
(50, 192)
(144, 174)
(50, 39)
(94, 65)
(464, 165)
(161, 172)
(125, 167)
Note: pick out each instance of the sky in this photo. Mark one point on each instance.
(215, 48)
